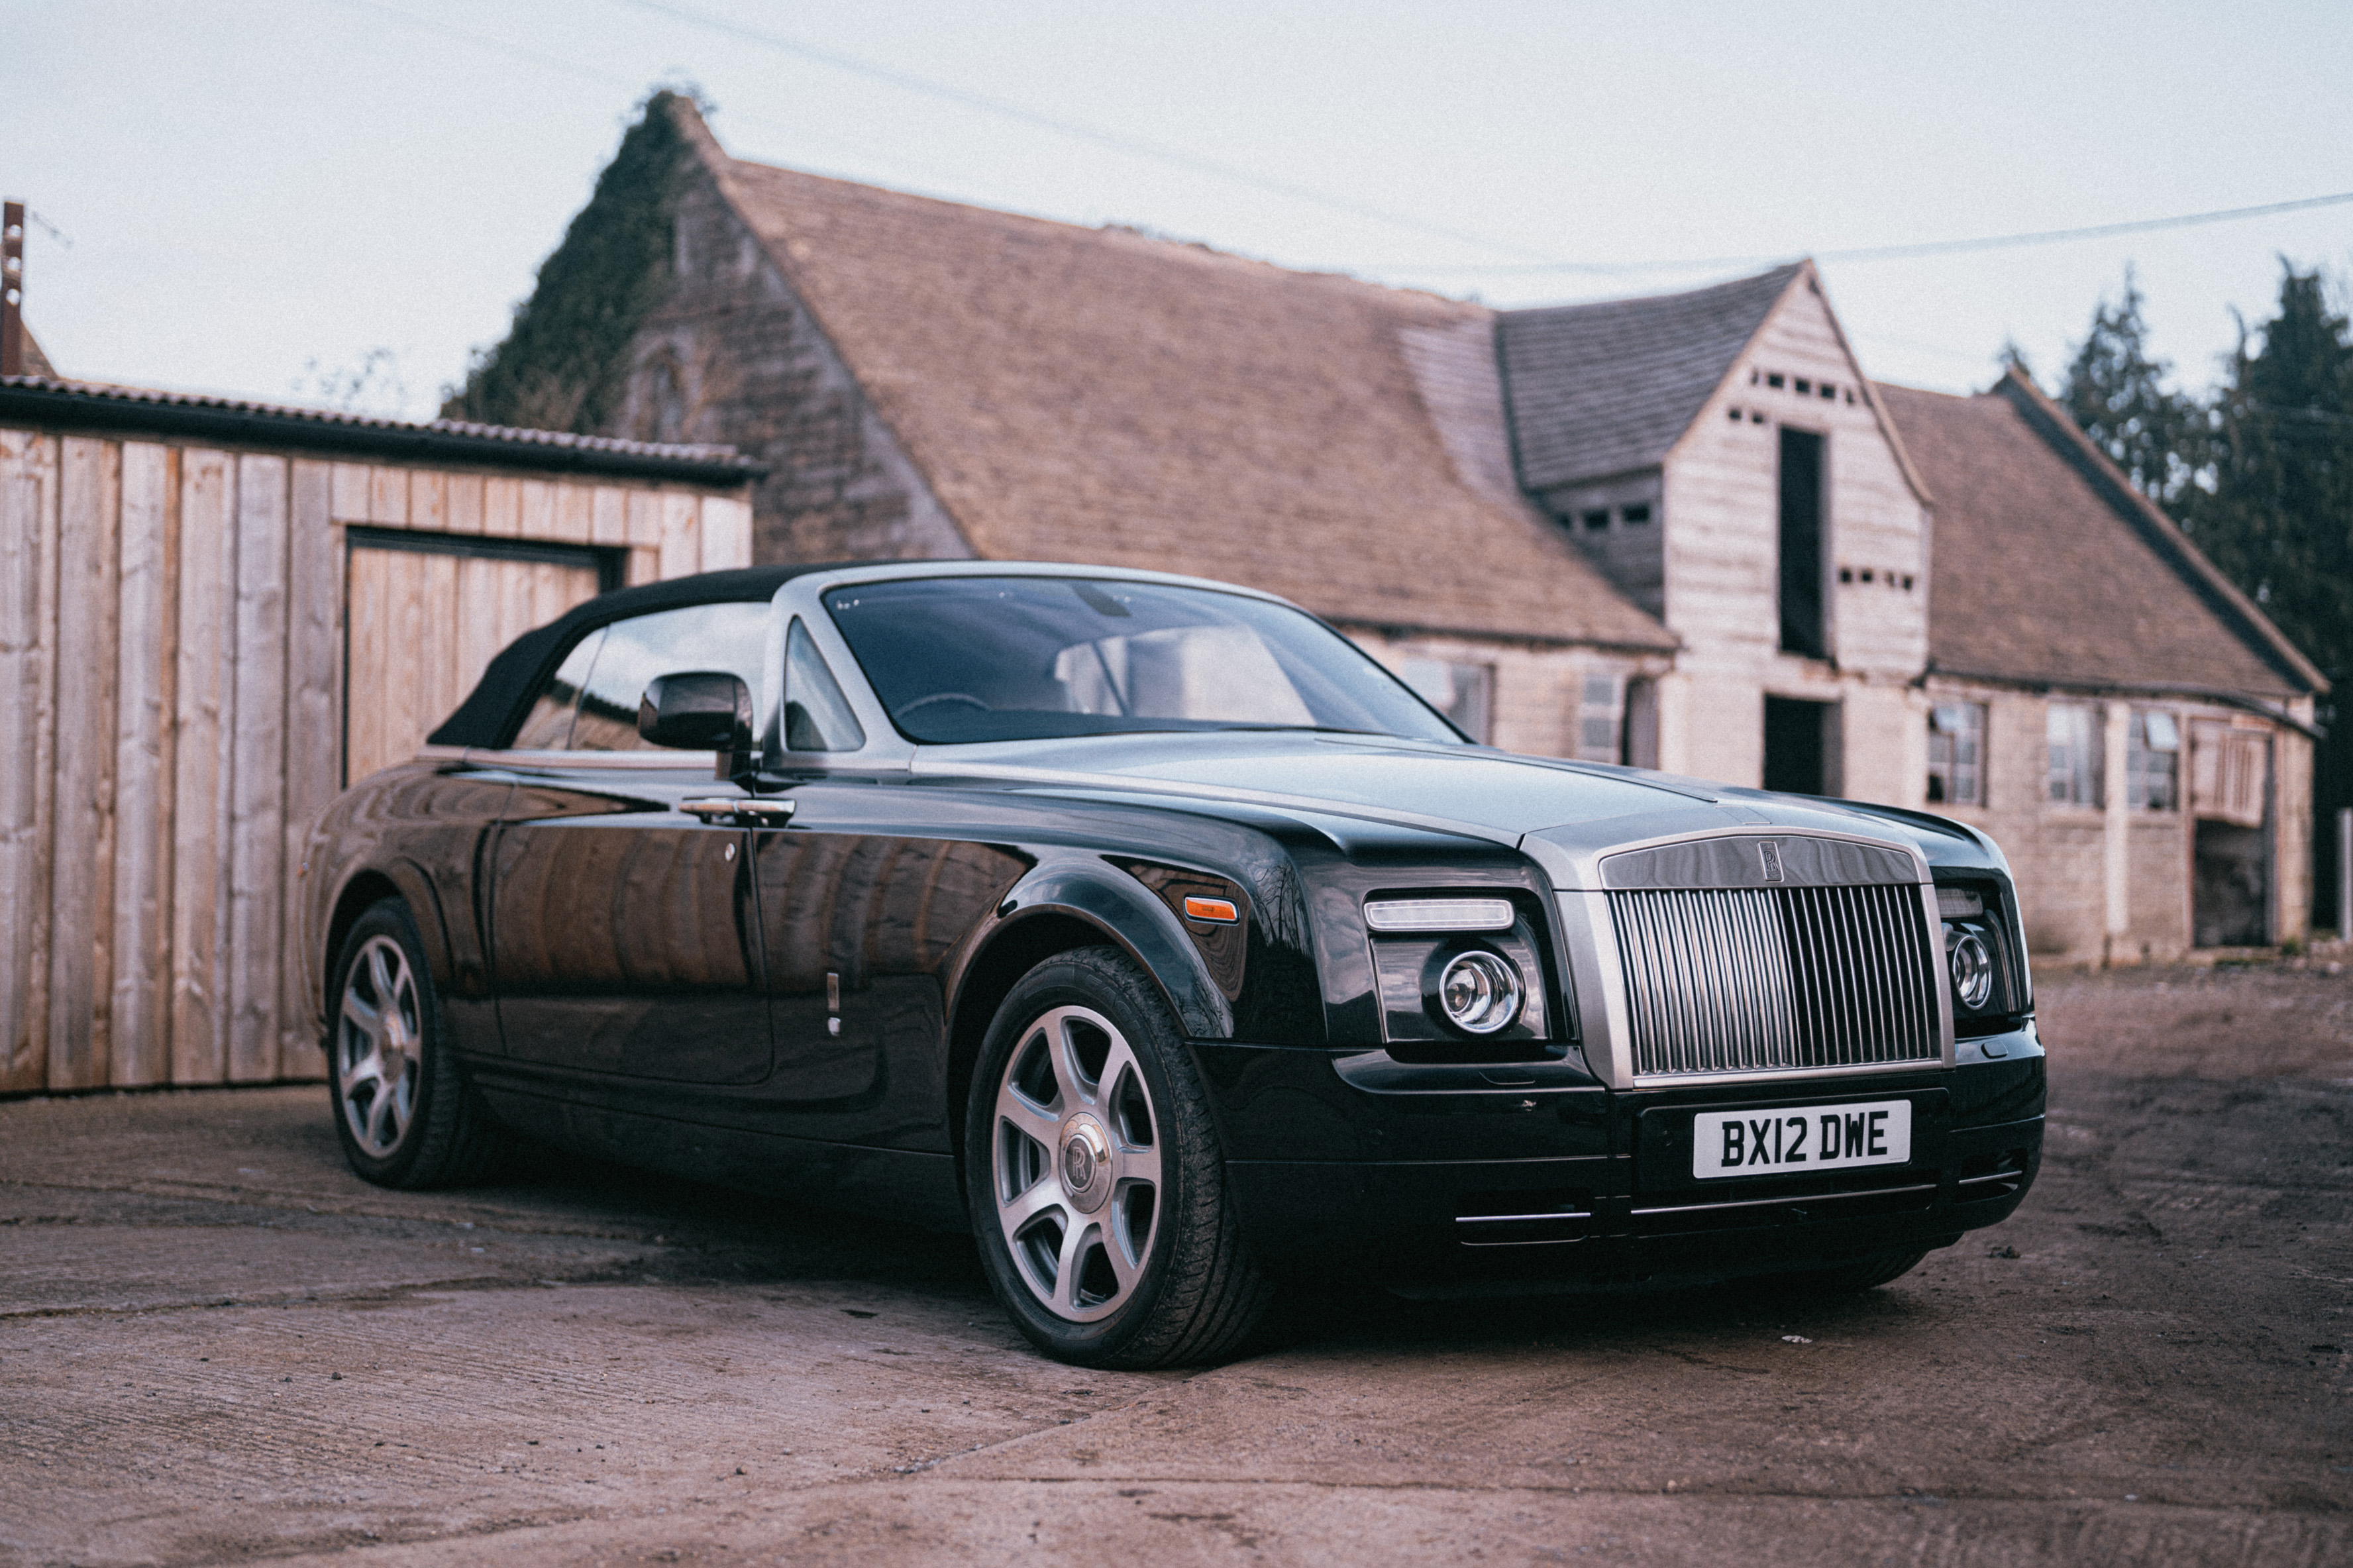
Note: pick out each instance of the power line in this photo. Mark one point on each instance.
(1176, 157)
(496, 45)
(1884, 252)
(603, 79)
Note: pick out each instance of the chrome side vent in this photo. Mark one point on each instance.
(1776, 979)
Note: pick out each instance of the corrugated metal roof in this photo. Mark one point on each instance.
(1608, 388)
(47, 399)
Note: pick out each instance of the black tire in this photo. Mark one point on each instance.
(1865, 1273)
(403, 1110)
(1086, 1289)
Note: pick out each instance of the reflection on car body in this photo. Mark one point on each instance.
(1150, 929)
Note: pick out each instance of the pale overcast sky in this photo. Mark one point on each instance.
(249, 188)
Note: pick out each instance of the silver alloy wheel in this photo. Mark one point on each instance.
(379, 1047)
(1076, 1163)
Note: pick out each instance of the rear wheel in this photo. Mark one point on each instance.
(1097, 1188)
(404, 1112)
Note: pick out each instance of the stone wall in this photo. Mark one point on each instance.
(731, 354)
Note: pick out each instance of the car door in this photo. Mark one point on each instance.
(625, 935)
(862, 902)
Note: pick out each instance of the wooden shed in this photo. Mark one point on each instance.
(213, 616)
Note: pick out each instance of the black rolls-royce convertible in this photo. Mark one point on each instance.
(1156, 933)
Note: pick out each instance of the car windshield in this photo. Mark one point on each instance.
(960, 659)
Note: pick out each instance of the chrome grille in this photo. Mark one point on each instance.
(1755, 979)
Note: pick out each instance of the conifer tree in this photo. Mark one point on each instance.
(2278, 519)
(2116, 390)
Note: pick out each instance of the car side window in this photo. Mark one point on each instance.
(590, 703)
(729, 637)
(816, 715)
(548, 728)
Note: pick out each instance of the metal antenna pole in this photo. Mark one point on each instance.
(12, 296)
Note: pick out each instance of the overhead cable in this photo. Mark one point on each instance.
(1876, 252)
(1176, 157)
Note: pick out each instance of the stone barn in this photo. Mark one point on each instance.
(1685, 531)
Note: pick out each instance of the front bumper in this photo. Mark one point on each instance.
(1349, 1164)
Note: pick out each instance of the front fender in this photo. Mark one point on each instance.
(1115, 903)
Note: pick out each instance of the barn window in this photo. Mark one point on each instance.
(2077, 757)
(1635, 516)
(1957, 753)
(1460, 692)
(1802, 386)
(1774, 380)
(1829, 393)
(1733, 414)
(2153, 761)
(1597, 519)
(1803, 626)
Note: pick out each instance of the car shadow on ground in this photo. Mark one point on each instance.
(716, 1234)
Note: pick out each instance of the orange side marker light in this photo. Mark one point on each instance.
(1221, 911)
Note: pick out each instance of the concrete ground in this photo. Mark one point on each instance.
(216, 1344)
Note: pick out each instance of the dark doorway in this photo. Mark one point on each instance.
(1800, 753)
(1802, 628)
(2232, 906)
(2230, 799)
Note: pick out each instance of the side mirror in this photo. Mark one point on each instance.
(701, 710)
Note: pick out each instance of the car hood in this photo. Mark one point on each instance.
(1559, 812)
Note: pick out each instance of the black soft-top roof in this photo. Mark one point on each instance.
(491, 713)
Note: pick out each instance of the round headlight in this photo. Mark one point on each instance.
(1972, 967)
(1480, 992)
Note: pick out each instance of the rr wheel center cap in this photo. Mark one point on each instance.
(1084, 1164)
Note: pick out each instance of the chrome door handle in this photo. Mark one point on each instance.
(748, 810)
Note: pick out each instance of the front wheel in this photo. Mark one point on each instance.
(1096, 1184)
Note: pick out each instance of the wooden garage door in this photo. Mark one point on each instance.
(425, 616)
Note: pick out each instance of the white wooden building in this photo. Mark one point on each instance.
(214, 614)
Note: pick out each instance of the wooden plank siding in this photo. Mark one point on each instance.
(314, 703)
(202, 697)
(145, 670)
(258, 770)
(177, 623)
(28, 642)
(81, 916)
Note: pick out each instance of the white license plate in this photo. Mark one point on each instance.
(1800, 1138)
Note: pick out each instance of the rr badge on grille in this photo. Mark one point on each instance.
(1771, 853)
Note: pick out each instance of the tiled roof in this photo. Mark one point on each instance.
(1608, 388)
(1096, 396)
(2047, 568)
(46, 399)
